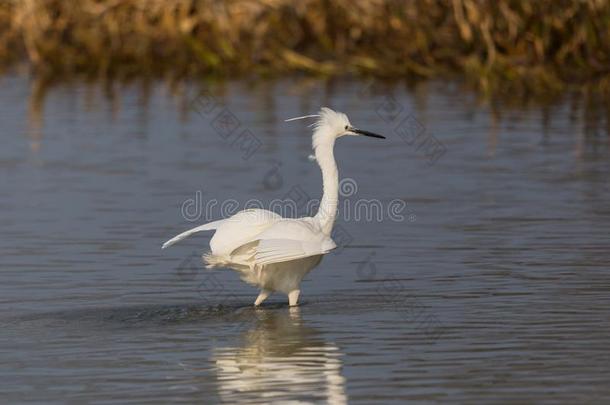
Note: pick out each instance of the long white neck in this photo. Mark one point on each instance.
(327, 212)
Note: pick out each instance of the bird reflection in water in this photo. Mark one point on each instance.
(280, 359)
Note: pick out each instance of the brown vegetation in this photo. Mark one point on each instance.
(539, 44)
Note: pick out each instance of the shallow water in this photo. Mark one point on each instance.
(491, 283)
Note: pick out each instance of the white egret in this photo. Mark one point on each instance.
(275, 253)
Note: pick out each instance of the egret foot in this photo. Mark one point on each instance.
(293, 297)
(262, 297)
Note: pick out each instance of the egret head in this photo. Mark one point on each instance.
(331, 125)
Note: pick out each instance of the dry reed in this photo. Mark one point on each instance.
(543, 44)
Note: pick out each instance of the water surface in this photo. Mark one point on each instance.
(491, 284)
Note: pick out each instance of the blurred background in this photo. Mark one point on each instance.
(122, 121)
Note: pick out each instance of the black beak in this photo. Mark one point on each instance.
(366, 133)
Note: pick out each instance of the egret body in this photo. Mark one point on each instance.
(275, 253)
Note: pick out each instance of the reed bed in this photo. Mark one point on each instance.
(540, 44)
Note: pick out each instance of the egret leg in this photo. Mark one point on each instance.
(262, 297)
(293, 297)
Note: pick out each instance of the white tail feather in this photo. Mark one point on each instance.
(205, 227)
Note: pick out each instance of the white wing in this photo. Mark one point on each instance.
(290, 239)
(233, 231)
(261, 237)
(282, 250)
(240, 229)
(205, 227)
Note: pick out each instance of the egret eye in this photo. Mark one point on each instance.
(346, 127)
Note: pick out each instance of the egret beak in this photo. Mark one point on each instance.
(365, 133)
